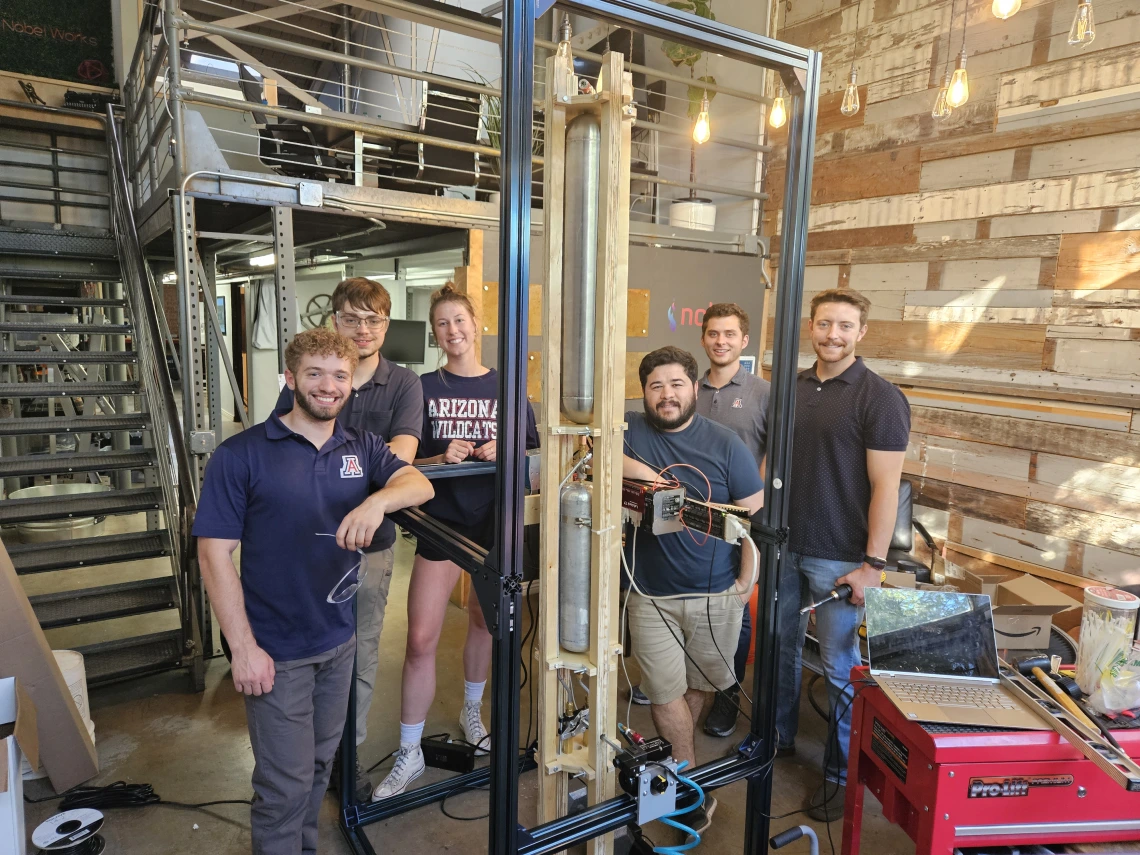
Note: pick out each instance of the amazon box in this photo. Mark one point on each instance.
(17, 738)
(65, 748)
(1023, 609)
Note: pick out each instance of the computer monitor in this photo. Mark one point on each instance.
(405, 342)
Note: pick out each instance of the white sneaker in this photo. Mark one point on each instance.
(473, 731)
(409, 766)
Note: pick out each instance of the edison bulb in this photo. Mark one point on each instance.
(959, 92)
(942, 108)
(1006, 8)
(1083, 30)
(702, 130)
(778, 114)
(850, 105)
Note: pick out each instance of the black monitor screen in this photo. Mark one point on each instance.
(930, 632)
(405, 342)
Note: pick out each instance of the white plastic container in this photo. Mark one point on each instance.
(1107, 628)
(699, 214)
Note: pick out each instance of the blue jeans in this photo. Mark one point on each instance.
(837, 629)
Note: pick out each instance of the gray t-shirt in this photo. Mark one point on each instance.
(741, 406)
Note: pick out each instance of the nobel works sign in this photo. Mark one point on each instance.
(62, 39)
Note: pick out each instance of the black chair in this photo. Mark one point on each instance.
(446, 114)
(902, 542)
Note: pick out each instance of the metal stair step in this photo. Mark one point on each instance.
(58, 300)
(62, 464)
(82, 505)
(105, 602)
(106, 271)
(131, 657)
(56, 244)
(68, 390)
(71, 357)
(81, 424)
(47, 327)
(87, 551)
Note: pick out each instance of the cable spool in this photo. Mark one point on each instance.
(72, 832)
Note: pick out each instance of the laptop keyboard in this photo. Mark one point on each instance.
(978, 697)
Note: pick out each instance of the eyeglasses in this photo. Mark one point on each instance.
(342, 592)
(353, 322)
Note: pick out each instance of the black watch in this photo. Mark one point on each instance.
(877, 563)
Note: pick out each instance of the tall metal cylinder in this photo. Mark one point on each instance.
(580, 266)
(574, 567)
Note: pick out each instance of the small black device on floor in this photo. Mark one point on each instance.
(72, 832)
(452, 756)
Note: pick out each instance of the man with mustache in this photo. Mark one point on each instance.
(685, 600)
(278, 489)
(851, 434)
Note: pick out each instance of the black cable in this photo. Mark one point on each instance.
(532, 717)
(443, 804)
(120, 794)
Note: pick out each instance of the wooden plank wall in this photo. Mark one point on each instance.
(1001, 251)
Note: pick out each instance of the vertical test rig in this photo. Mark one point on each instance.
(586, 204)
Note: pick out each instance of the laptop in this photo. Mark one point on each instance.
(934, 655)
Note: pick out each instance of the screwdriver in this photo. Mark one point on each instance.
(841, 592)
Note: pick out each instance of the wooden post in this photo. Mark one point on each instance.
(469, 280)
(588, 755)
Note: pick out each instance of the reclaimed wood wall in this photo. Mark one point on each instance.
(1001, 251)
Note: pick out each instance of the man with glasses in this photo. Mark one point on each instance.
(386, 400)
(278, 489)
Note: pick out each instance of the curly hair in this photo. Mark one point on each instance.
(320, 342)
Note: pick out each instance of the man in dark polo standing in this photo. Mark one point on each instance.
(300, 494)
(737, 399)
(851, 433)
(387, 400)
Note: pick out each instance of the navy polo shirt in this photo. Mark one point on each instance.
(837, 421)
(274, 491)
(389, 404)
(682, 562)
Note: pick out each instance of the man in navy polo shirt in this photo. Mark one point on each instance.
(279, 489)
(387, 400)
(851, 433)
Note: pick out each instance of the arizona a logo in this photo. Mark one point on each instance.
(350, 467)
(738, 404)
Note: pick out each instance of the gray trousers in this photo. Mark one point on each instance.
(294, 731)
(371, 600)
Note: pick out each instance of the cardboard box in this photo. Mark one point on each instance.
(986, 583)
(65, 748)
(895, 579)
(1023, 608)
(17, 738)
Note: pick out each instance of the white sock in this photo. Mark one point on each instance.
(410, 734)
(473, 692)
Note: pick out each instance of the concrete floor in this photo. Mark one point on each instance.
(194, 748)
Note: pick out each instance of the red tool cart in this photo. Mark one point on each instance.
(954, 787)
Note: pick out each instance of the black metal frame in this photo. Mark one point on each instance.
(497, 574)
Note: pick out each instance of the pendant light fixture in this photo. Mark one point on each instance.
(1006, 8)
(942, 108)
(702, 130)
(1083, 31)
(959, 92)
(778, 115)
(850, 105)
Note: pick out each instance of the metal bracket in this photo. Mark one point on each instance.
(203, 441)
(493, 590)
(774, 536)
(311, 195)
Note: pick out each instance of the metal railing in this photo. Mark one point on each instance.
(150, 335)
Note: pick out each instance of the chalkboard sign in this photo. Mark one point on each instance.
(61, 39)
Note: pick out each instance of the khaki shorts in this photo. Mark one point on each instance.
(666, 672)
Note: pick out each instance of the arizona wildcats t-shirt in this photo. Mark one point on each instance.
(465, 408)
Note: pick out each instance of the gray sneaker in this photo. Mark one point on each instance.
(639, 697)
(700, 819)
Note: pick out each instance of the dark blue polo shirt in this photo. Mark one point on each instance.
(389, 404)
(274, 491)
(678, 563)
(837, 421)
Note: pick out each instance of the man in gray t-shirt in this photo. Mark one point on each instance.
(737, 399)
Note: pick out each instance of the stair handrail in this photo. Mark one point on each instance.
(176, 476)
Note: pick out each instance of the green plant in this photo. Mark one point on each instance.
(492, 108)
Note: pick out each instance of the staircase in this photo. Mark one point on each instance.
(88, 415)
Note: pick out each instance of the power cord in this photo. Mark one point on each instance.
(123, 795)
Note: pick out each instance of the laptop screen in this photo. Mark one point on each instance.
(930, 632)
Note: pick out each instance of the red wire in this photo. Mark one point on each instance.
(707, 498)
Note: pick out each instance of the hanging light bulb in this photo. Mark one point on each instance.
(942, 108)
(1006, 8)
(850, 104)
(778, 114)
(959, 92)
(702, 130)
(1082, 32)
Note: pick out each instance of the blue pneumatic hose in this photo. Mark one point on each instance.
(668, 818)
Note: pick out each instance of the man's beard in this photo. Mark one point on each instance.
(669, 424)
(322, 414)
